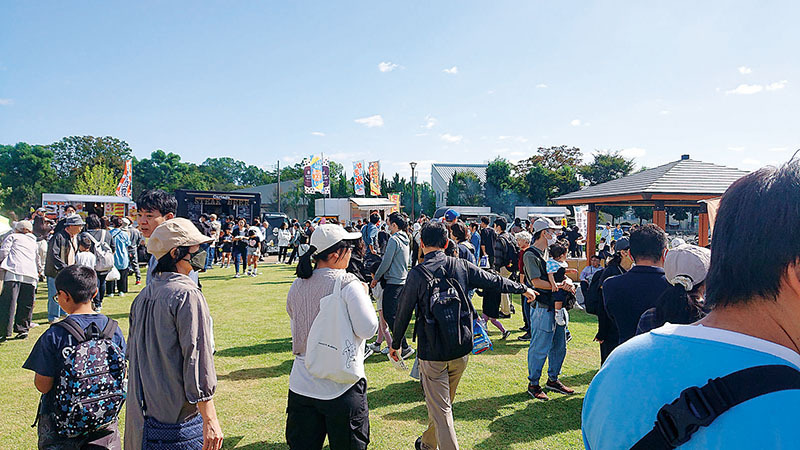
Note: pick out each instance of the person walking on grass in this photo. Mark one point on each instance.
(253, 252)
(101, 238)
(122, 242)
(239, 254)
(437, 289)
(19, 259)
(284, 237)
(61, 251)
(320, 407)
(172, 378)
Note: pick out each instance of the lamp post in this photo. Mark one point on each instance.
(413, 189)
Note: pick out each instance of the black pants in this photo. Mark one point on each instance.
(16, 307)
(101, 290)
(391, 296)
(282, 251)
(293, 254)
(607, 347)
(345, 420)
(121, 285)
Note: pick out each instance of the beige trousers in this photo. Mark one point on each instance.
(505, 299)
(440, 380)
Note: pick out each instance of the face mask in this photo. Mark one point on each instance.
(551, 239)
(198, 260)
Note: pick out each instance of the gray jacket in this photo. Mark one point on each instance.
(394, 265)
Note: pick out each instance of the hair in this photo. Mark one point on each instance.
(557, 250)
(169, 263)
(257, 222)
(66, 207)
(434, 234)
(747, 263)
(305, 269)
(359, 248)
(284, 226)
(676, 305)
(78, 281)
(86, 242)
(204, 216)
(523, 236)
(459, 231)
(517, 221)
(374, 218)
(537, 235)
(116, 221)
(485, 220)
(648, 242)
(500, 222)
(473, 225)
(157, 200)
(615, 259)
(597, 257)
(93, 222)
(399, 219)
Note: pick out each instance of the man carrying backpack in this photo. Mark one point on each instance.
(506, 259)
(436, 291)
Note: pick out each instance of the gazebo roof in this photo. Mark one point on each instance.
(682, 180)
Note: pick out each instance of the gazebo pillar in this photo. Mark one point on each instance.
(702, 231)
(591, 233)
(660, 215)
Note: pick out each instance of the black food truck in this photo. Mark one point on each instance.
(191, 204)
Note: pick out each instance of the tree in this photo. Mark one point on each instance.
(74, 153)
(500, 194)
(25, 172)
(552, 158)
(643, 213)
(537, 184)
(606, 166)
(96, 180)
(465, 189)
(166, 171)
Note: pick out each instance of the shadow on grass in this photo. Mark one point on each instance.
(271, 346)
(233, 441)
(579, 379)
(281, 369)
(276, 282)
(394, 394)
(581, 317)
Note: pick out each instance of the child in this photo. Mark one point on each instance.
(85, 256)
(253, 242)
(227, 248)
(556, 273)
(76, 286)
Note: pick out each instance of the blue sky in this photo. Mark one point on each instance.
(458, 81)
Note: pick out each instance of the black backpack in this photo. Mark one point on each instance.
(446, 314)
(594, 294)
(511, 256)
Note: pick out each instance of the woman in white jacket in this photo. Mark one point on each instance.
(19, 258)
(284, 236)
(319, 406)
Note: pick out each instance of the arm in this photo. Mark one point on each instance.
(193, 324)
(359, 307)
(43, 384)
(552, 280)
(406, 305)
(479, 278)
(212, 432)
(6, 248)
(391, 248)
(58, 242)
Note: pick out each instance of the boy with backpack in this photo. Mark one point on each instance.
(435, 290)
(80, 370)
(506, 257)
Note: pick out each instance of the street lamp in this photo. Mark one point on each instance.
(413, 189)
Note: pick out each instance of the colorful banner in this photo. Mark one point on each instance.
(358, 177)
(125, 186)
(582, 219)
(316, 175)
(394, 198)
(375, 178)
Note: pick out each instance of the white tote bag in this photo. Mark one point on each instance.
(113, 274)
(333, 351)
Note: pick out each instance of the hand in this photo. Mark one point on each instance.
(568, 286)
(599, 341)
(373, 283)
(554, 288)
(530, 294)
(394, 354)
(212, 435)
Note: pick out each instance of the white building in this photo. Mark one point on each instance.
(442, 173)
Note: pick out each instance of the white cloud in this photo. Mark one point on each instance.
(421, 134)
(778, 149)
(777, 85)
(430, 122)
(736, 149)
(633, 152)
(664, 112)
(746, 89)
(6, 102)
(500, 151)
(452, 71)
(371, 121)
(516, 153)
(490, 92)
(744, 70)
(447, 137)
(575, 122)
(751, 162)
(518, 139)
(317, 133)
(387, 66)
(541, 86)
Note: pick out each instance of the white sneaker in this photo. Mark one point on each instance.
(375, 347)
(236, 276)
(561, 319)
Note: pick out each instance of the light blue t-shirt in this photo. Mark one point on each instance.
(652, 369)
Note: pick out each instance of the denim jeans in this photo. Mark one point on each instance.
(53, 310)
(548, 341)
(209, 256)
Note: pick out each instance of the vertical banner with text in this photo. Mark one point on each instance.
(125, 186)
(358, 177)
(316, 175)
(394, 198)
(375, 178)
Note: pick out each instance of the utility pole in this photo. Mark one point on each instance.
(279, 185)
(413, 189)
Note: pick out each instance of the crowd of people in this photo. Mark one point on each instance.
(670, 318)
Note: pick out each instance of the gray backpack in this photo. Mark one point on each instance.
(103, 253)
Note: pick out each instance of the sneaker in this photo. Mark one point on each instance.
(236, 276)
(376, 348)
(407, 352)
(535, 391)
(121, 294)
(21, 335)
(524, 329)
(569, 336)
(505, 335)
(248, 273)
(253, 274)
(558, 386)
(367, 351)
(560, 317)
(385, 351)
(524, 337)
(33, 325)
(504, 316)
(418, 443)
(138, 282)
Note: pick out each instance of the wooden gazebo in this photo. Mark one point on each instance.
(685, 182)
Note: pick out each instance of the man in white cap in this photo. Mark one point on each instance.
(19, 257)
(548, 340)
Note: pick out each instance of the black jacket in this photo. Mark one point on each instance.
(629, 295)
(468, 275)
(58, 249)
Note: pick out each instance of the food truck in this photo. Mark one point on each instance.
(102, 205)
(347, 210)
(191, 204)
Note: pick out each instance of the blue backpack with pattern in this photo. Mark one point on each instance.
(92, 386)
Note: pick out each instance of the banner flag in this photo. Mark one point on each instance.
(358, 177)
(125, 186)
(394, 198)
(316, 175)
(375, 178)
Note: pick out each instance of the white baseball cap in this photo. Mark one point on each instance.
(327, 235)
(687, 265)
(543, 223)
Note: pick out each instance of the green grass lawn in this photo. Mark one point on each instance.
(253, 361)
